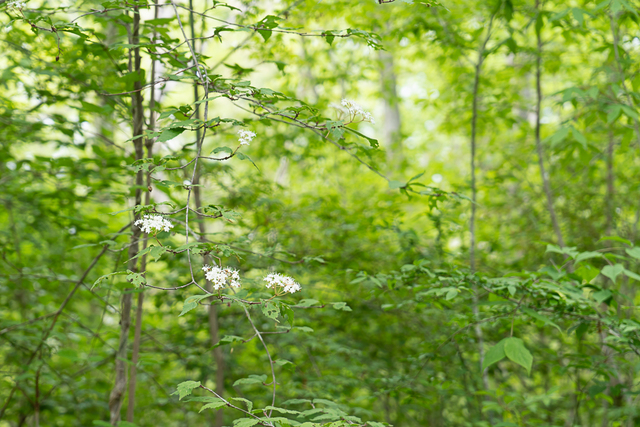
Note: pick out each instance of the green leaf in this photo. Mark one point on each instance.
(169, 134)
(587, 255)
(252, 379)
(228, 339)
(451, 294)
(494, 355)
(336, 129)
(613, 112)
(341, 306)
(308, 303)
(245, 422)
(579, 136)
(245, 401)
(577, 14)
(612, 271)
(101, 278)
(243, 156)
(602, 296)
(373, 142)
(136, 279)
(634, 252)
(329, 37)
(396, 184)
(266, 34)
(540, 317)
(185, 388)
(287, 312)
(631, 275)
(295, 401)
(156, 252)
(516, 351)
(213, 405)
(192, 302)
(271, 310)
(281, 410)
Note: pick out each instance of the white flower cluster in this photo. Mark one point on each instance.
(245, 136)
(275, 280)
(154, 222)
(16, 5)
(220, 277)
(355, 109)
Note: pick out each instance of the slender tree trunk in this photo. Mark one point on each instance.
(214, 335)
(472, 224)
(391, 123)
(212, 314)
(117, 393)
(543, 172)
(143, 263)
(630, 101)
(610, 185)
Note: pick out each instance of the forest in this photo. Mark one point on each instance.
(319, 213)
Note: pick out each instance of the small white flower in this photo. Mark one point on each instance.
(220, 277)
(275, 280)
(245, 136)
(16, 5)
(154, 222)
(355, 109)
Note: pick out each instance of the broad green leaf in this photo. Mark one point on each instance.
(515, 350)
(494, 355)
(602, 296)
(634, 252)
(587, 255)
(185, 388)
(169, 134)
(451, 294)
(612, 271)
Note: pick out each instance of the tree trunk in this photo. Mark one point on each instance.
(117, 393)
(391, 124)
(543, 173)
(472, 224)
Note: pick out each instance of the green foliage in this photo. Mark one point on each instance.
(372, 219)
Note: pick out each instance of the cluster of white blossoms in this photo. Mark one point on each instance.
(220, 277)
(16, 5)
(245, 136)
(275, 280)
(156, 223)
(355, 109)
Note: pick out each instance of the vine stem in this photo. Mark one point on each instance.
(266, 349)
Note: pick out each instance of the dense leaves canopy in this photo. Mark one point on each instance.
(319, 213)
